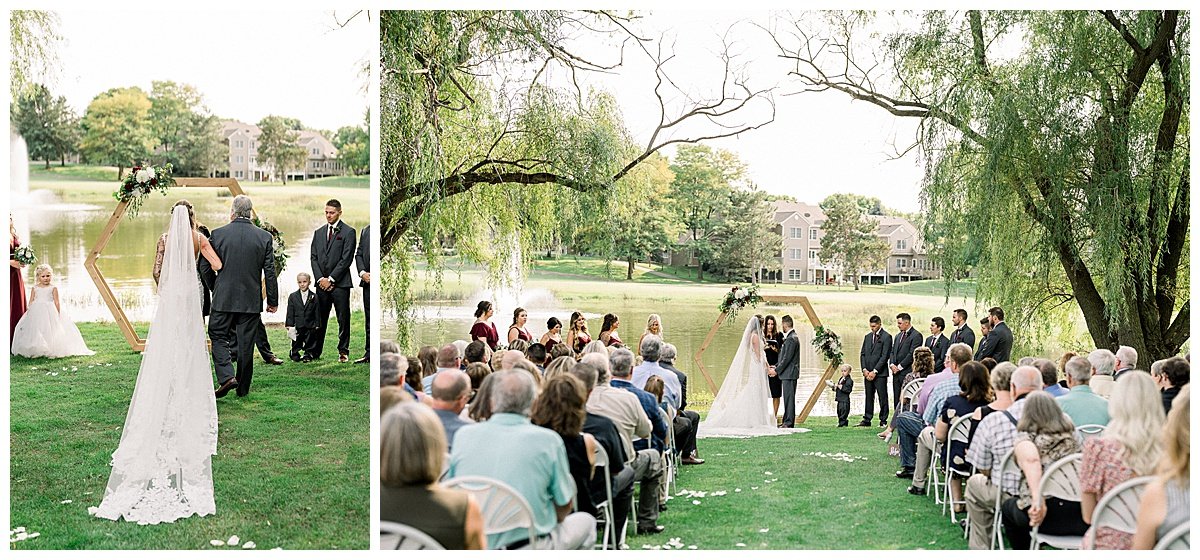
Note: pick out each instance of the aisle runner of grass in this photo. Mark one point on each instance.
(829, 488)
(291, 470)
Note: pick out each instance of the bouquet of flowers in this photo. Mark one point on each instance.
(280, 247)
(140, 182)
(24, 255)
(737, 298)
(830, 344)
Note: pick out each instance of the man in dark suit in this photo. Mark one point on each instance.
(332, 252)
(1002, 338)
(248, 256)
(301, 318)
(985, 330)
(876, 347)
(362, 261)
(938, 343)
(687, 445)
(788, 370)
(962, 331)
(900, 364)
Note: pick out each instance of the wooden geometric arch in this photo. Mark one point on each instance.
(812, 319)
(137, 343)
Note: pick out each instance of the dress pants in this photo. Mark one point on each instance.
(262, 342)
(1062, 518)
(926, 444)
(685, 431)
(897, 387)
(909, 425)
(576, 532)
(876, 388)
(648, 470)
(233, 336)
(366, 295)
(304, 341)
(622, 499)
(337, 299)
(789, 402)
(843, 412)
(981, 500)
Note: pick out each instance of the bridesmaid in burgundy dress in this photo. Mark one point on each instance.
(16, 283)
(577, 336)
(608, 331)
(517, 330)
(484, 329)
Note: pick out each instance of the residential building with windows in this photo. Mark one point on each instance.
(242, 140)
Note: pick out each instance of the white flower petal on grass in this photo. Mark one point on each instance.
(691, 547)
(66, 501)
(695, 502)
(18, 530)
(249, 544)
(764, 530)
(741, 545)
(754, 488)
(233, 541)
(768, 473)
(737, 489)
(34, 535)
(216, 542)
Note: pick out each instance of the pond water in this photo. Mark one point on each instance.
(61, 221)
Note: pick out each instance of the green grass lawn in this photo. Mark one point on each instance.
(291, 470)
(794, 494)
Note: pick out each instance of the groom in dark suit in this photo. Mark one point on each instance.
(362, 261)
(332, 252)
(248, 257)
(788, 370)
(876, 347)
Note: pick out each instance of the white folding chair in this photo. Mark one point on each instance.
(1118, 508)
(960, 429)
(1061, 480)
(934, 485)
(398, 536)
(1007, 464)
(670, 454)
(503, 508)
(1178, 538)
(1088, 431)
(605, 507)
(910, 390)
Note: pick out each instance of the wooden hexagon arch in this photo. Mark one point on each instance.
(137, 343)
(812, 319)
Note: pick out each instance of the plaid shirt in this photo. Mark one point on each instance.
(993, 439)
(937, 398)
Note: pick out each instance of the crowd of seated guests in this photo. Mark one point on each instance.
(533, 415)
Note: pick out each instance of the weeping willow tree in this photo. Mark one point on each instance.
(492, 145)
(1056, 146)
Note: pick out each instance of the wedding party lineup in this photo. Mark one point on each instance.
(753, 279)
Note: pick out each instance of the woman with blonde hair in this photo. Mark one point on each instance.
(654, 327)
(1166, 503)
(559, 366)
(412, 456)
(595, 347)
(577, 333)
(1129, 447)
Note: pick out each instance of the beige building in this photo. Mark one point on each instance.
(243, 164)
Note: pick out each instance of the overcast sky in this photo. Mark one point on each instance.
(246, 64)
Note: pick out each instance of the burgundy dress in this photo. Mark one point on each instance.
(523, 334)
(581, 339)
(16, 291)
(486, 331)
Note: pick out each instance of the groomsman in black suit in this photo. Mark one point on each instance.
(873, 357)
(962, 331)
(985, 329)
(938, 343)
(1002, 338)
(900, 364)
(332, 252)
(362, 261)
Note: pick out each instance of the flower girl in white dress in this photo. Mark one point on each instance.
(45, 331)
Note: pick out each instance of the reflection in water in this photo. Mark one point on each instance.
(63, 233)
(685, 326)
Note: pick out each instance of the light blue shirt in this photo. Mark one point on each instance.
(672, 389)
(529, 458)
(937, 398)
(1084, 406)
(1055, 390)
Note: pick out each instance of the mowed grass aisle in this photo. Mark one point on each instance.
(800, 492)
(292, 464)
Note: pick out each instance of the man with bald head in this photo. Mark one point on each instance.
(450, 391)
(994, 438)
(447, 359)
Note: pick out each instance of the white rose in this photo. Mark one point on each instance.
(142, 176)
(150, 172)
(738, 293)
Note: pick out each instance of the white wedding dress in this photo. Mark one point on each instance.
(44, 332)
(162, 469)
(742, 407)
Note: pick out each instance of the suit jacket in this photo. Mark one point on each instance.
(963, 334)
(842, 389)
(302, 315)
(788, 366)
(939, 345)
(682, 383)
(983, 350)
(331, 258)
(902, 350)
(874, 355)
(362, 257)
(1000, 342)
(248, 262)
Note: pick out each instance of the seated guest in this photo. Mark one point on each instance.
(1080, 403)
(392, 396)
(914, 427)
(477, 352)
(531, 459)
(560, 406)
(481, 406)
(1103, 362)
(1126, 361)
(526, 365)
(392, 369)
(1128, 448)
(559, 350)
(595, 347)
(1044, 435)
(922, 368)
(461, 346)
(559, 366)
(989, 363)
(476, 372)
(606, 434)
(687, 445)
(1176, 374)
(602, 365)
(536, 353)
(993, 439)
(1001, 380)
(496, 362)
(414, 374)
(388, 345)
(450, 393)
(975, 392)
(427, 355)
(447, 360)
(1049, 377)
(1025, 361)
(412, 452)
(651, 352)
(621, 361)
(518, 346)
(1156, 372)
(1166, 503)
(1062, 363)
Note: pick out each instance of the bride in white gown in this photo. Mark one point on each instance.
(162, 469)
(742, 407)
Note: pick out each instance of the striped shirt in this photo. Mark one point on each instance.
(994, 438)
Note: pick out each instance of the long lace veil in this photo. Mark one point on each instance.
(743, 401)
(161, 470)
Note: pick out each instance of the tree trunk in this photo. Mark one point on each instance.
(699, 270)
(120, 171)
(47, 163)
(629, 269)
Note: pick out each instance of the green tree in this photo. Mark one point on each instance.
(637, 221)
(277, 146)
(47, 123)
(851, 242)
(116, 129)
(700, 193)
(744, 238)
(187, 134)
(1069, 150)
(33, 49)
(202, 150)
(354, 148)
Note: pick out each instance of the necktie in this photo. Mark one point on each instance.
(330, 238)
(876, 338)
(902, 335)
